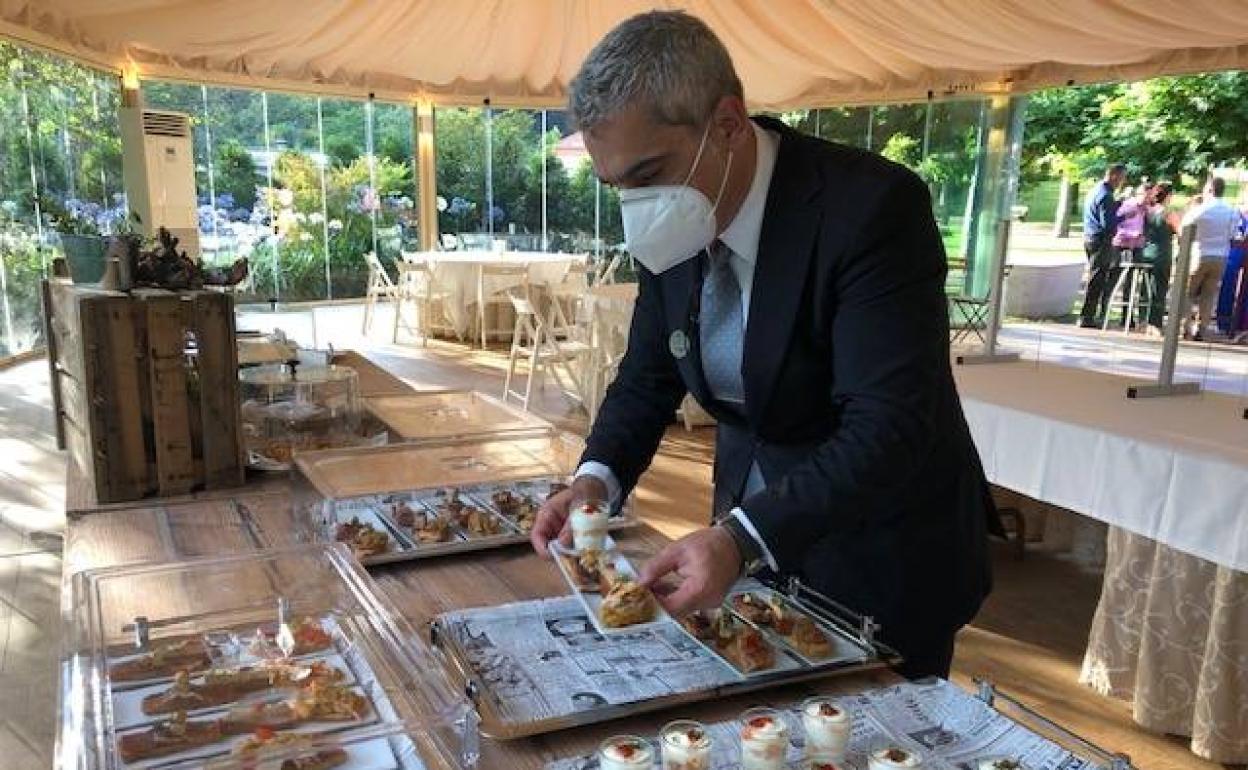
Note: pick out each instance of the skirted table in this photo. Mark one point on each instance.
(1170, 478)
(457, 274)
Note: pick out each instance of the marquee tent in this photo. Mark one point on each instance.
(790, 53)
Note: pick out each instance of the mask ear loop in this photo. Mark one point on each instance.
(722, 184)
(698, 156)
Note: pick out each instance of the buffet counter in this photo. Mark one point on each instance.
(244, 522)
(509, 663)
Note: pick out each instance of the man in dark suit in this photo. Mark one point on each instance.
(796, 288)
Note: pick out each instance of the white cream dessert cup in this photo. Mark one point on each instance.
(893, 758)
(1000, 763)
(685, 745)
(625, 752)
(588, 522)
(827, 728)
(764, 740)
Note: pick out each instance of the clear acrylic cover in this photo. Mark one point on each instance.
(451, 414)
(288, 409)
(248, 660)
(416, 500)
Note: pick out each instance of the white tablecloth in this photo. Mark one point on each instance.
(1170, 476)
(455, 273)
(1174, 470)
(1170, 635)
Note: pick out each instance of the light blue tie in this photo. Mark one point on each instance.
(721, 330)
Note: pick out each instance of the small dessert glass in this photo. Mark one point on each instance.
(685, 745)
(625, 752)
(827, 727)
(892, 757)
(588, 521)
(764, 739)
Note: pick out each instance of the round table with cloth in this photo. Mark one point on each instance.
(456, 274)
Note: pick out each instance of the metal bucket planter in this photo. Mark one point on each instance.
(85, 255)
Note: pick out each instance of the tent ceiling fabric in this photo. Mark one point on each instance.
(790, 53)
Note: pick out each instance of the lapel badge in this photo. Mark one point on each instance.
(678, 344)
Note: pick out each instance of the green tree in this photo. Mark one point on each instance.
(235, 173)
(1170, 127)
(903, 149)
(460, 150)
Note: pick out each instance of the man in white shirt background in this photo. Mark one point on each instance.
(1216, 223)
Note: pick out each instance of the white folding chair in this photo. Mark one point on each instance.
(609, 341)
(516, 279)
(379, 286)
(604, 271)
(566, 313)
(418, 286)
(532, 343)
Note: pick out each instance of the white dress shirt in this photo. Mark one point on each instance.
(741, 237)
(1216, 222)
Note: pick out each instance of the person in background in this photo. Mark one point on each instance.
(1128, 237)
(1216, 223)
(1160, 226)
(1234, 294)
(1100, 221)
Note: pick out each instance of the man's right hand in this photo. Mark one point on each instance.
(552, 519)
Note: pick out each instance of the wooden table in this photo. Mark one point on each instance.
(256, 518)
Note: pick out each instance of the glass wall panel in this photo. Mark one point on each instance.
(949, 169)
(516, 168)
(571, 187)
(60, 176)
(296, 200)
(240, 168)
(897, 132)
(397, 225)
(352, 200)
(303, 186)
(461, 154)
(845, 125)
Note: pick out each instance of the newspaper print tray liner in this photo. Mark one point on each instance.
(539, 666)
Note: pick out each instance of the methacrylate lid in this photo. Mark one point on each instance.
(451, 414)
(304, 608)
(342, 473)
(284, 374)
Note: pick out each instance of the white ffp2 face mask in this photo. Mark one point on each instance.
(665, 225)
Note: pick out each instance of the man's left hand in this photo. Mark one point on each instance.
(705, 564)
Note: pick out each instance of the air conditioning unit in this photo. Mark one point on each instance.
(158, 167)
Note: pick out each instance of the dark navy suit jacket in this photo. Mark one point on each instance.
(875, 494)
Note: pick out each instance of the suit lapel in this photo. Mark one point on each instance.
(786, 244)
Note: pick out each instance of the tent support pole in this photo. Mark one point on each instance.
(990, 354)
(1001, 157)
(426, 175)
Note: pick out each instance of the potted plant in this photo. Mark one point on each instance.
(79, 229)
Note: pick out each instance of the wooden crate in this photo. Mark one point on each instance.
(139, 414)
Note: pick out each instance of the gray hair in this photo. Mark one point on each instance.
(668, 62)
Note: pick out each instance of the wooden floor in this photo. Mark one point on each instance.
(1028, 639)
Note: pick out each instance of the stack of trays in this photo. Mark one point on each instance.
(249, 661)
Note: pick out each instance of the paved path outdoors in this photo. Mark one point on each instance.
(1221, 368)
